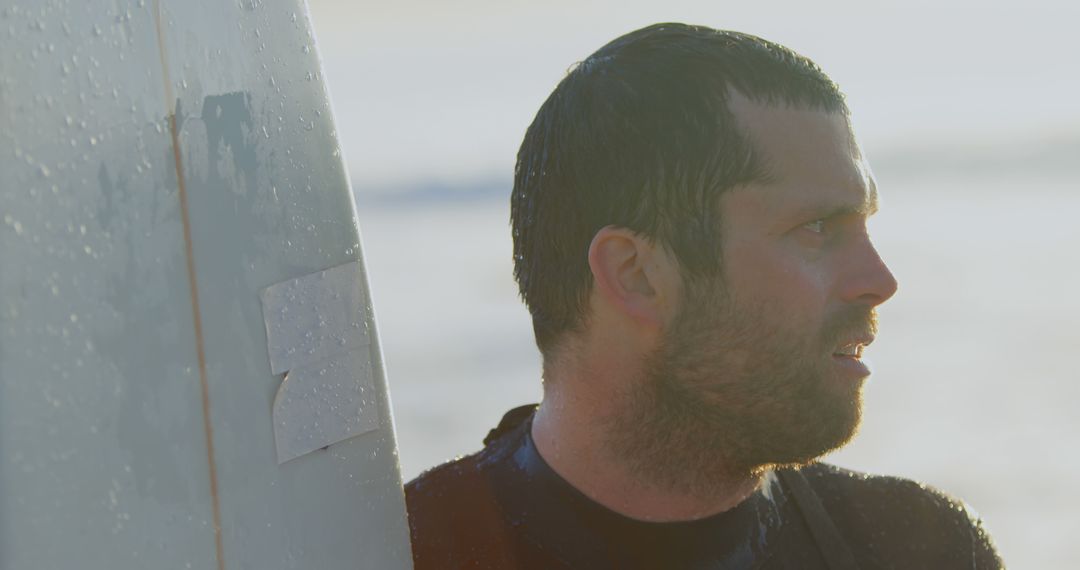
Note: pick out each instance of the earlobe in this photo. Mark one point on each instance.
(625, 274)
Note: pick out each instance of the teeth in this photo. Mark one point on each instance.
(850, 350)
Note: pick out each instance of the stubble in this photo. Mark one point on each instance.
(732, 391)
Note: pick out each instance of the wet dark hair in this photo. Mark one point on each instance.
(639, 135)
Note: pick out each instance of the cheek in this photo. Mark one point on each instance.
(781, 284)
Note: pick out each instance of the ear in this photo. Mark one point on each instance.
(634, 276)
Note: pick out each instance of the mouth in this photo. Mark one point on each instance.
(853, 348)
(848, 357)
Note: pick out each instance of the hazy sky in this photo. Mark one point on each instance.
(443, 91)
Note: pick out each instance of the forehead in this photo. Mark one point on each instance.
(810, 157)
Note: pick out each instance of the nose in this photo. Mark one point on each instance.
(868, 280)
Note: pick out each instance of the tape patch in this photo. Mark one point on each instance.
(324, 403)
(317, 333)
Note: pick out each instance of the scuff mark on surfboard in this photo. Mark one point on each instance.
(317, 333)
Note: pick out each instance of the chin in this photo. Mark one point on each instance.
(835, 432)
(810, 431)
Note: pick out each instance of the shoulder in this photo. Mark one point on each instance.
(455, 519)
(897, 522)
(452, 518)
(464, 480)
(444, 484)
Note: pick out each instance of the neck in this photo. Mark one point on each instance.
(573, 435)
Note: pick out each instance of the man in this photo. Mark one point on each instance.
(689, 220)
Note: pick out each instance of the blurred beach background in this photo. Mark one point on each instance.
(968, 112)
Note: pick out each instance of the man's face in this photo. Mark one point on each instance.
(762, 365)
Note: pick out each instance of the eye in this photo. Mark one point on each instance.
(816, 226)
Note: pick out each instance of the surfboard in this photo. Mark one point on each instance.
(190, 372)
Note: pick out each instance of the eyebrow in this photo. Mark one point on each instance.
(867, 208)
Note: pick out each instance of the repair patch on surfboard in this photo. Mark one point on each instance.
(324, 403)
(311, 318)
(317, 333)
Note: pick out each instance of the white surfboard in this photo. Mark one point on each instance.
(190, 375)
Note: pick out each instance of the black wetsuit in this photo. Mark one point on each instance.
(504, 507)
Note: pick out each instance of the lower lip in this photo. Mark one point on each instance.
(852, 365)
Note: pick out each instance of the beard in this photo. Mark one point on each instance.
(734, 390)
